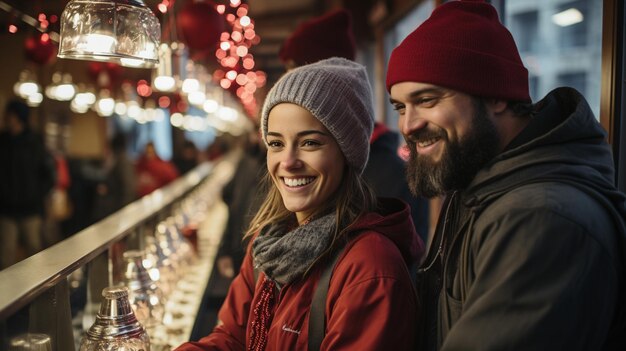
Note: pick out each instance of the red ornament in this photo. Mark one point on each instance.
(200, 24)
(40, 49)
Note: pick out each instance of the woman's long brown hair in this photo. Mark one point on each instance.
(353, 198)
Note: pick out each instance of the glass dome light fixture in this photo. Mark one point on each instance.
(125, 32)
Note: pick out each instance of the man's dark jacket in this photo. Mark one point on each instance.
(533, 250)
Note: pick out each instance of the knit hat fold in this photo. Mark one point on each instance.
(462, 46)
(336, 91)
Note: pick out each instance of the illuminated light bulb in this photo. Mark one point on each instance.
(65, 92)
(86, 99)
(34, 99)
(105, 106)
(210, 106)
(177, 119)
(190, 85)
(245, 21)
(227, 114)
(231, 75)
(164, 83)
(242, 11)
(164, 102)
(568, 17)
(248, 63)
(242, 51)
(196, 98)
(236, 36)
(101, 43)
(120, 109)
(242, 79)
(77, 107)
(134, 110)
(27, 89)
(249, 33)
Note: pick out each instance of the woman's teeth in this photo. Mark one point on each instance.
(298, 181)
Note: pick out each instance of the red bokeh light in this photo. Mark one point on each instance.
(143, 89)
(225, 83)
(164, 102)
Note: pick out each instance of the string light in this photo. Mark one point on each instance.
(234, 55)
(41, 23)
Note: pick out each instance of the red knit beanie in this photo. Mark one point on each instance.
(320, 38)
(462, 46)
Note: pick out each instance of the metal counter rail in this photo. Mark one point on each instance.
(40, 281)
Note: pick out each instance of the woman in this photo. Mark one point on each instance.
(316, 123)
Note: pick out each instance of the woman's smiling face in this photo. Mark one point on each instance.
(303, 159)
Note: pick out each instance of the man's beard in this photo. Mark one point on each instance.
(460, 161)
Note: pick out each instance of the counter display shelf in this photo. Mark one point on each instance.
(58, 291)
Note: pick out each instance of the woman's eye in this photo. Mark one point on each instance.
(274, 143)
(311, 143)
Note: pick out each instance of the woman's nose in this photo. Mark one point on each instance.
(290, 160)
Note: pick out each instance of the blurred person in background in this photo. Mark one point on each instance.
(27, 174)
(217, 149)
(188, 158)
(243, 194)
(152, 171)
(59, 207)
(316, 124)
(118, 185)
(330, 35)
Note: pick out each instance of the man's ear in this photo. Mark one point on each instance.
(496, 106)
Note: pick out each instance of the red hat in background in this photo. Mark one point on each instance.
(320, 38)
(462, 46)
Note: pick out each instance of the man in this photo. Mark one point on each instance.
(27, 175)
(330, 35)
(529, 250)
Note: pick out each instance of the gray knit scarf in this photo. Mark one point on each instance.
(285, 255)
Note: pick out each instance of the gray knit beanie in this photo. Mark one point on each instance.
(337, 93)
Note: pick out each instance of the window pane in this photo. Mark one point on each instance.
(560, 42)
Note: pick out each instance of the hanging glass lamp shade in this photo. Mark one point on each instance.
(121, 31)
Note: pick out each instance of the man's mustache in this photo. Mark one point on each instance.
(424, 135)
